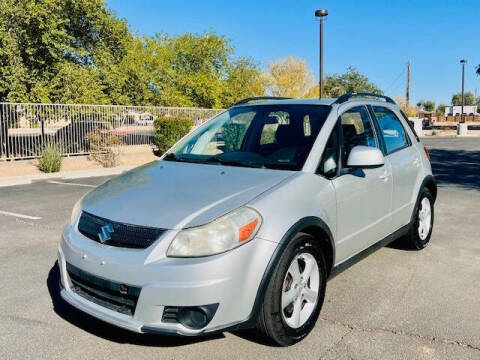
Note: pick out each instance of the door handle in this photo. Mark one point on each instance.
(384, 176)
(416, 162)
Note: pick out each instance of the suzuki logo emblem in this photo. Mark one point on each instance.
(104, 235)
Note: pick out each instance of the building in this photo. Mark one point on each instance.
(457, 110)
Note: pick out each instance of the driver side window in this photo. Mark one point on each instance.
(357, 129)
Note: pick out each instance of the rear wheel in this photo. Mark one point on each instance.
(422, 224)
(295, 293)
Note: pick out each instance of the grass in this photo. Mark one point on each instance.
(50, 160)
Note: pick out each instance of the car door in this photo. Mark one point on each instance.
(405, 162)
(364, 196)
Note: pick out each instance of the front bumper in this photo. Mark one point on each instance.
(230, 280)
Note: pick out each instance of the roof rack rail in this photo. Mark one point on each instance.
(348, 96)
(259, 98)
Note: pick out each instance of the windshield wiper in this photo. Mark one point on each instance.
(245, 163)
(170, 156)
(241, 163)
(173, 157)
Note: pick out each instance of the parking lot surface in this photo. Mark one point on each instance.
(395, 304)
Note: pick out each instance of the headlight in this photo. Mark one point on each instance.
(225, 233)
(77, 208)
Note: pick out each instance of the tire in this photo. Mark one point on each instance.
(288, 325)
(418, 236)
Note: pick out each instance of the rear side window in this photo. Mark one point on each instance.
(392, 129)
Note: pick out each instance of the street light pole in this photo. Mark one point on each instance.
(321, 14)
(463, 62)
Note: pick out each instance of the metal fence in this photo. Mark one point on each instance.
(25, 129)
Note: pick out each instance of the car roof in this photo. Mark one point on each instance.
(290, 102)
(327, 102)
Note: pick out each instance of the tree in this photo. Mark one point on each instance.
(289, 77)
(244, 80)
(75, 84)
(38, 38)
(352, 80)
(429, 105)
(441, 109)
(187, 70)
(469, 99)
(409, 110)
(78, 51)
(426, 105)
(147, 75)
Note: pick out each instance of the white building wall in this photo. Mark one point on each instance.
(468, 109)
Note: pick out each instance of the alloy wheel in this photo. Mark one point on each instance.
(300, 290)
(424, 218)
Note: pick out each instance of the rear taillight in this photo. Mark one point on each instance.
(427, 153)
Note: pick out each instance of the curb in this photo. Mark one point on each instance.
(77, 174)
(449, 136)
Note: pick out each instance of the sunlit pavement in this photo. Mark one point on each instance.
(395, 304)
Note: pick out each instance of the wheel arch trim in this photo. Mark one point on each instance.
(302, 224)
(430, 183)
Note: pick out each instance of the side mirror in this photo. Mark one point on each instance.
(364, 157)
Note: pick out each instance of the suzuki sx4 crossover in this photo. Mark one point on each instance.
(243, 221)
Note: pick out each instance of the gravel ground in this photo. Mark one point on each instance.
(128, 156)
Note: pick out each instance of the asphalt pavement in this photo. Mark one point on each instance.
(395, 304)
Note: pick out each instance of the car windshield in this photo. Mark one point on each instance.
(265, 136)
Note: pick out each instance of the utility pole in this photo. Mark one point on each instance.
(462, 128)
(321, 14)
(463, 62)
(408, 83)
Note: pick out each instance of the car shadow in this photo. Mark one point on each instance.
(456, 168)
(401, 244)
(255, 336)
(110, 332)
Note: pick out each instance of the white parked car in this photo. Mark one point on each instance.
(244, 220)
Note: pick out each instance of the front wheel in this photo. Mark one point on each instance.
(295, 293)
(422, 224)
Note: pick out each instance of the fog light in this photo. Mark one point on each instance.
(193, 317)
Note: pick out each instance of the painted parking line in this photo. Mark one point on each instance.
(8, 213)
(72, 184)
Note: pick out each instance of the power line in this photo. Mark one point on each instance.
(394, 81)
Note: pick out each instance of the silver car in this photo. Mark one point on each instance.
(243, 221)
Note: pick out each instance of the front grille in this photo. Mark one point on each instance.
(114, 296)
(123, 235)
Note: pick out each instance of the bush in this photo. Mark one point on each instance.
(169, 130)
(50, 160)
(103, 148)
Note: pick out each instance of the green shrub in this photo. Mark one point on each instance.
(51, 159)
(169, 130)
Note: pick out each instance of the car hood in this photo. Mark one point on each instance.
(175, 195)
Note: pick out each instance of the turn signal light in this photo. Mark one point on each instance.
(427, 153)
(246, 231)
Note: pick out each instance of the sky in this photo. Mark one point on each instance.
(376, 37)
